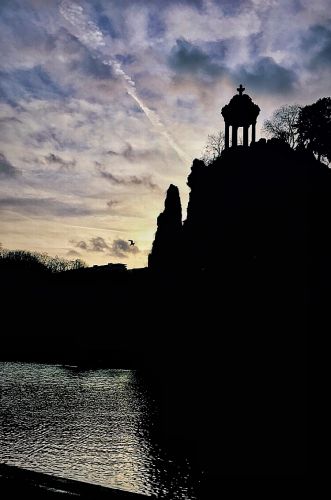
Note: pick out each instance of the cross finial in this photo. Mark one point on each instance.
(241, 89)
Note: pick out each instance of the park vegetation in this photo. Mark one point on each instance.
(23, 260)
(301, 127)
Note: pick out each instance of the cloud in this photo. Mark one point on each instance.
(188, 58)
(91, 35)
(6, 168)
(29, 83)
(318, 45)
(54, 159)
(43, 206)
(9, 119)
(24, 32)
(233, 7)
(73, 253)
(98, 244)
(112, 204)
(132, 154)
(118, 248)
(54, 137)
(81, 58)
(212, 64)
(121, 248)
(267, 76)
(212, 22)
(80, 244)
(131, 180)
(85, 29)
(112, 153)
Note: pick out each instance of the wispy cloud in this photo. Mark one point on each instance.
(111, 204)
(98, 244)
(131, 180)
(73, 253)
(6, 168)
(268, 77)
(55, 159)
(43, 206)
(133, 155)
(117, 248)
(88, 32)
(186, 57)
(121, 248)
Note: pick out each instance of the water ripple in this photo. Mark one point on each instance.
(87, 425)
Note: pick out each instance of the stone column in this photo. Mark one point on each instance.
(234, 135)
(253, 132)
(227, 126)
(245, 142)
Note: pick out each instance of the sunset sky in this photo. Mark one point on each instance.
(104, 103)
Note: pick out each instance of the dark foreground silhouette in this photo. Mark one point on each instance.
(216, 324)
(19, 483)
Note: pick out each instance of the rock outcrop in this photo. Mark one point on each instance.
(246, 210)
(167, 244)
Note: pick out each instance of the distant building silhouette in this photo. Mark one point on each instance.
(111, 267)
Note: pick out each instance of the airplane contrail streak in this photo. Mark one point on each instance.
(90, 34)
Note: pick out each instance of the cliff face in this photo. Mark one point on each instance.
(248, 209)
(248, 206)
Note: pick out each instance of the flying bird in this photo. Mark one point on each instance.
(131, 243)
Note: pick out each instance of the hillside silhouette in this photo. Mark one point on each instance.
(247, 209)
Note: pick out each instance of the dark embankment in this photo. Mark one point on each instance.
(20, 483)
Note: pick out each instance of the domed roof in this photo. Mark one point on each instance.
(241, 110)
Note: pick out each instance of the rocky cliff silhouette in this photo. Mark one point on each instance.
(167, 243)
(248, 212)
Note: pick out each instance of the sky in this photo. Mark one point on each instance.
(104, 103)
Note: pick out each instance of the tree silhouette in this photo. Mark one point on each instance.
(314, 128)
(214, 147)
(35, 261)
(283, 124)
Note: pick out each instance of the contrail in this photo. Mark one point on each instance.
(90, 34)
(25, 217)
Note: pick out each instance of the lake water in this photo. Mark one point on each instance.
(98, 426)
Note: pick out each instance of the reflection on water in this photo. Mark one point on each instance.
(94, 426)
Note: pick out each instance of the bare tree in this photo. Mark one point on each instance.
(59, 265)
(283, 124)
(214, 147)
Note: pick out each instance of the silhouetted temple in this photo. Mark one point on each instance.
(240, 112)
(247, 210)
